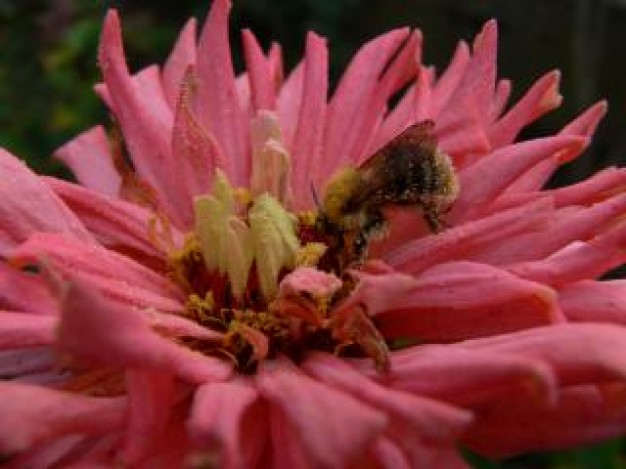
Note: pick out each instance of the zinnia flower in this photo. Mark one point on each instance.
(184, 305)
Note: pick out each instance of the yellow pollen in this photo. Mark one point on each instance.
(310, 254)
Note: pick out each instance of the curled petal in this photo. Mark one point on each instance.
(450, 79)
(468, 240)
(469, 378)
(347, 106)
(541, 98)
(109, 333)
(583, 126)
(115, 223)
(462, 128)
(146, 126)
(27, 206)
(25, 330)
(594, 301)
(489, 177)
(150, 404)
(560, 346)
(453, 301)
(583, 415)
(331, 427)
(182, 56)
(307, 141)
(568, 226)
(21, 291)
(198, 154)
(96, 263)
(229, 419)
(578, 261)
(400, 71)
(260, 73)
(217, 102)
(600, 186)
(89, 157)
(32, 414)
(430, 421)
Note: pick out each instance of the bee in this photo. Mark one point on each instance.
(409, 171)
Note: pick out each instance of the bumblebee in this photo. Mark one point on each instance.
(409, 171)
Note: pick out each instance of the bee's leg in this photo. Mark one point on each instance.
(375, 225)
(432, 217)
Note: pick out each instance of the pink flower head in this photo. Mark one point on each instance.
(255, 289)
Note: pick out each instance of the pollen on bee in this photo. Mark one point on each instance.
(341, 186)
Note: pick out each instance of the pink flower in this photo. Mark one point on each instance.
(192, 309)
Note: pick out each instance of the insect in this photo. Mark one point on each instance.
(409, 171)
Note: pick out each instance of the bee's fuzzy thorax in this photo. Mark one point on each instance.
(339, 189)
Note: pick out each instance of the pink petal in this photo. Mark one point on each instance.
(452, 301)
(430, 421)
(57, 452)
(33, 414)
(468, 378)
(275, 63)
(307, 142)
(146, 131)
(173, 451)
(147, 84)
(150, 405)
(171, 325)
(389, 455)
(462, 241)
(462, 128)
(560, 346)
(262, 83)
(480, 76)
(217, 103)
(28, 206)
(72, 256)
(402, 69)
(288, 103)
(583, 126)
(587, 122)
(514, 426)
(347, 107)
(541, 98)
(20, 329)
(502, 95)
(593, 301)
(21, 291)
(228, 418)
(109, 333)
(579, 261)
(115, 223)
(575, 224)
(183, 54)
(400, 117)
(489, 177)
(198, 155)
(450, 79)
(331, 427)
(89, 158)
(600, 186)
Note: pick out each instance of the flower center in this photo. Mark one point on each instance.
(267, 280)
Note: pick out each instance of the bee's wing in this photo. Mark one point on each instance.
(379, 170)
(419, 137)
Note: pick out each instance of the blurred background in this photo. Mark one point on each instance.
(48, 67)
